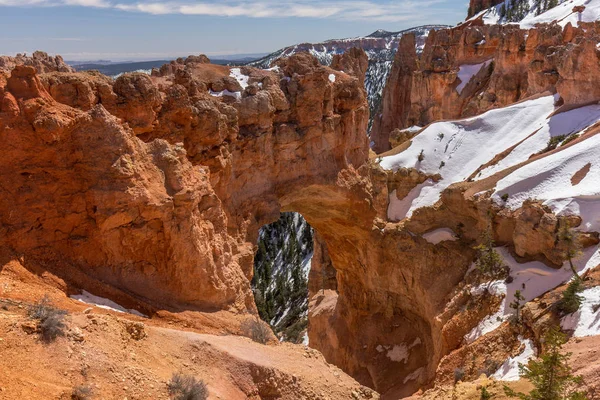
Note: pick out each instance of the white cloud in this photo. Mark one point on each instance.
(371, 10)
(148, 8)
(87, 3)
(22, 2)
(56, 3)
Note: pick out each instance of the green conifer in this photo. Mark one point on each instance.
(551, 375)
(571, 300)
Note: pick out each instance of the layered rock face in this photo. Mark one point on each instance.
(506, 64)
(158, 185)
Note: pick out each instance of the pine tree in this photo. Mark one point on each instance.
(551, 375)
(517, 305)
(571, 300)
(570, 239)
(488, 261)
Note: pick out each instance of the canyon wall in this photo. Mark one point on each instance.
(518, 63)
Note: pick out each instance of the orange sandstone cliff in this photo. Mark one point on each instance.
(153, 188)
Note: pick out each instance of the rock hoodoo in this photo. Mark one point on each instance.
(473, 68)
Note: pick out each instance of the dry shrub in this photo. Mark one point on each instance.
(51, 320)
(187, 387)
(257, 330)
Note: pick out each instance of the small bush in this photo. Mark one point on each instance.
(421, 155)
(459, 374)
(186, 387)
(571, 300)
(51, 321)
(440, 136)
(442, 164)
(554, 141)
(504, 197)
(485, 395)
(256, 330)
(82, 393)
(570, 139)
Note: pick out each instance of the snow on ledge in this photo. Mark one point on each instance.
(415, 375)
(107, 304)
(305, 340)
(226, 92)
(242, 79)
(399, 352)
(332, 78)
(509, 371)
(440, 235)
(585, 321)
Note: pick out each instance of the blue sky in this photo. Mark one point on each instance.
(150, 29)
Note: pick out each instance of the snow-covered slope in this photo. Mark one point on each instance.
(528, 13)
(380, 46)
(531, 150)
(464, 149)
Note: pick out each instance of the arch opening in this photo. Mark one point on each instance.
(280, 284)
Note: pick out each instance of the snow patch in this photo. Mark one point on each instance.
(226, 92)
(398, 353)
(440, 235)
(305, 339)
(242, 79)
(107, 304)
(585, 321)
(413, 128)
(415, 375)
(399, 209)
(142, 71)
(332, 78)
(509, 371)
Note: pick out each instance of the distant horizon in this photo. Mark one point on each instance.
(143, 30)
(174, 57)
